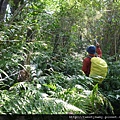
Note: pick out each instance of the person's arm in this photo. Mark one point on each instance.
(85, 67)
(98, 50)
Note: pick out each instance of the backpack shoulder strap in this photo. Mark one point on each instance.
(89, 56)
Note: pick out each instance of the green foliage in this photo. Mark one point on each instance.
(111, 85)
(58, 30)
(25, 98)
(30, 98)
(99, 103)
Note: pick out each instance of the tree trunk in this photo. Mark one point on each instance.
(56, 44)
(3, 6)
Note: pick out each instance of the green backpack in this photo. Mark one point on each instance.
(99, 69)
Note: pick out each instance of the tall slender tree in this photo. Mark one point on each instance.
(3, 6)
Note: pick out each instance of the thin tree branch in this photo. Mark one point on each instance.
(17, 12)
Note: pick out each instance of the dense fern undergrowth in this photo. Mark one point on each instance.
(57, 84)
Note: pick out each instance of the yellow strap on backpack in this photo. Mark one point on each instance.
(98, 69)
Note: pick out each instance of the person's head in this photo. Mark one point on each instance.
(91, 49)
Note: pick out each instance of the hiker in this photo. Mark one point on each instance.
(92, 51)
